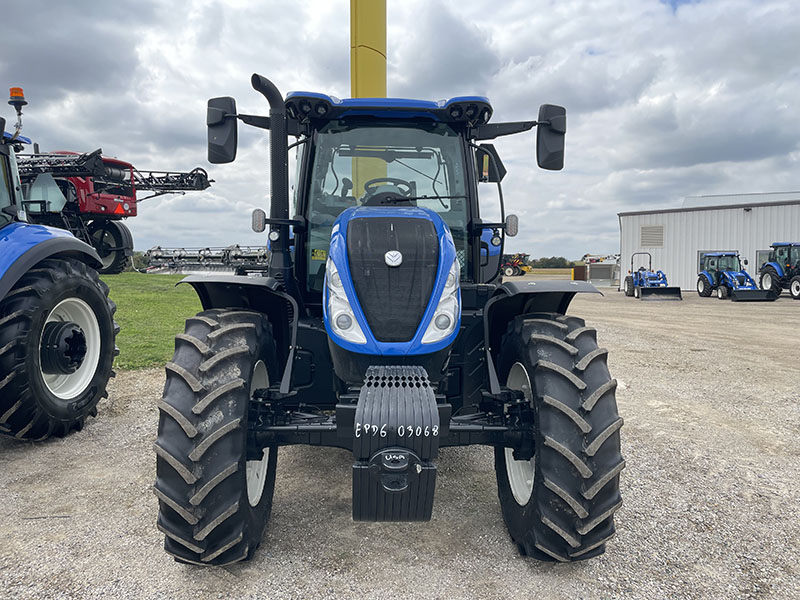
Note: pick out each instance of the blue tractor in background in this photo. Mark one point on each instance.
(782, 270)
(723, 273)
(381, 326)
(57, 327)
(647, 284)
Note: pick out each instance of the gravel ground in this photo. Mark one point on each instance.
(708, 390)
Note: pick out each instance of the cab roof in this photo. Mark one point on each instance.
(21, 139)
(783, 244)
(306, 106)
(721, 254)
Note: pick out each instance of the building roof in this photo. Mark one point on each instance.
(725, 201)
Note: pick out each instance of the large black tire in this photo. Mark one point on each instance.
(108, 239)
(722, 292)
(508, 271)
(794, 287)
(769, 279)
(35, 405)
(202, 468)
(704, 288)
(627, 287)
(568, 512)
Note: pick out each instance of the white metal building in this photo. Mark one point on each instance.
(677, 237)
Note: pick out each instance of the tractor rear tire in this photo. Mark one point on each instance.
(108, 239)
(704, 288)
(560, 504)
(769, 280)
(628, 286)
(722, 292)
(45, 392)
(214, 500)
(794, 287)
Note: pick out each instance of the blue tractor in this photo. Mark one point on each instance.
(722, 273)
(57, 327)
(782, 270)
(381, 327)
(647, 284)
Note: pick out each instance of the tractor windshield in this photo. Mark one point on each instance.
(728, 263)
(6, 215)
(384, 162)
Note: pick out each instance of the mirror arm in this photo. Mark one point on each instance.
(292, 127)
(494, 130)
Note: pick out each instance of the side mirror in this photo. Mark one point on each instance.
(745, 262)
(222, 130)
(259, 220)
(551, 129)
(512, 225)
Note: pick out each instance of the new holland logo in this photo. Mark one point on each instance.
(393, 258)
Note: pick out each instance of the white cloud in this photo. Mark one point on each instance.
(664, 99)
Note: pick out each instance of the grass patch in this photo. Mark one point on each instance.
(150, 311)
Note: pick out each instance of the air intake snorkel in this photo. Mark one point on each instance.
(280, 263)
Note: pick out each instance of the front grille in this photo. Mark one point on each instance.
(393, 298)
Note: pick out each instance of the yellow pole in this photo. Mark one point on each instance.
(367, 73)
(368, 48)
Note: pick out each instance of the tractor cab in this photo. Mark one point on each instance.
(715, 263)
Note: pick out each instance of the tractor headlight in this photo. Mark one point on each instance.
(447, 312)
(341, 318)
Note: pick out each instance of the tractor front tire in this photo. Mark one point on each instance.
(57, 334)
(794, 287)
(769, 280)
(722, 292)
(628, 286)
(508, 271)
(108, 239)
(214, 499)
(704, 288)
(560, 504)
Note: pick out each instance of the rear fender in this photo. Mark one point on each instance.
(777, 266)
(259, 294)
(518, 298)
(708, 277)
(22, 246)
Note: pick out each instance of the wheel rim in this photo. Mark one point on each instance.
(766, 281)
(256, 470)
(66, 386)
(701, 286)
(508, 272)
(795, 288)
(520, 473)
(102, 240)
(719, 293)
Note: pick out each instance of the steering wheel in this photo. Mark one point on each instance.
(404, 190)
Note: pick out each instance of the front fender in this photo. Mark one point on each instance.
(23, 245)
(259, 294)
(514, 298)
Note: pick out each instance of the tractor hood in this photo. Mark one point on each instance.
(392, 268)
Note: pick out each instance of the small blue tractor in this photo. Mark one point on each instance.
(57, 327)
(646, 284)
(782, 270)
(381, 326)
(723, 273)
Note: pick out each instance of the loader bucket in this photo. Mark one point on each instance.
(753, 296)
(660, 293)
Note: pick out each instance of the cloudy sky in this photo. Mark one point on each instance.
(664, 99)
